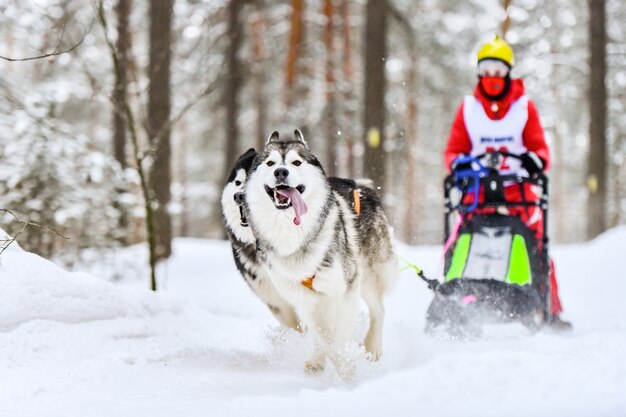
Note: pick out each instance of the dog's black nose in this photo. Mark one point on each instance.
(238, 198)
(281, 174)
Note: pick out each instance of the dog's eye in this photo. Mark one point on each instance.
(297, 163)
(270, 163)
(237, 183)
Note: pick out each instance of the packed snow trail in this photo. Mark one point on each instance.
(72, 344)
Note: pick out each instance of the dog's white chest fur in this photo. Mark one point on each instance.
(314, 259)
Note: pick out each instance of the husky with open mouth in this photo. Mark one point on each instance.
(322, 249)
(243, 244)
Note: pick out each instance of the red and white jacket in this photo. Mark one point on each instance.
(510, 124)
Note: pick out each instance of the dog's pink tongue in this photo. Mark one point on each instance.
(296, 201)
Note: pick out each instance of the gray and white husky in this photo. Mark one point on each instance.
(243, 244)
(321, 256)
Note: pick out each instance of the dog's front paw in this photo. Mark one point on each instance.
(313, 366)
(374, 349)
(373, 356)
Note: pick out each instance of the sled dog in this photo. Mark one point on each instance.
(244, 244)
(323, 247)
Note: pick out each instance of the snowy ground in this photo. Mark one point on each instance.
(75, 345)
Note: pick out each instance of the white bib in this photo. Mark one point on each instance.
(497, 135)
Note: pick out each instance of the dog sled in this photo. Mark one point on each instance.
(495, 268)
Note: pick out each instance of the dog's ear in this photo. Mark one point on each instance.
(299, 137)
(245, 160)
(250, 152)
(273, 137)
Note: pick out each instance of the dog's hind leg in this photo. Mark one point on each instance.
(373, 297)
(379, 278)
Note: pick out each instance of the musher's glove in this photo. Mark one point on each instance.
(532, 163)
(457, 165)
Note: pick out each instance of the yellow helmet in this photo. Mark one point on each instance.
(497, 49)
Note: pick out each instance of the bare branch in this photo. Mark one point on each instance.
(56, 51)
(7, 242)
(404, 23)
(400, 17)
(184, 109)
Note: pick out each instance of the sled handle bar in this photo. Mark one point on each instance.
(498, 155)
(481, 166)
(539, 179)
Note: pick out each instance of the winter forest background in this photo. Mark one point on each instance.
(181, 87)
